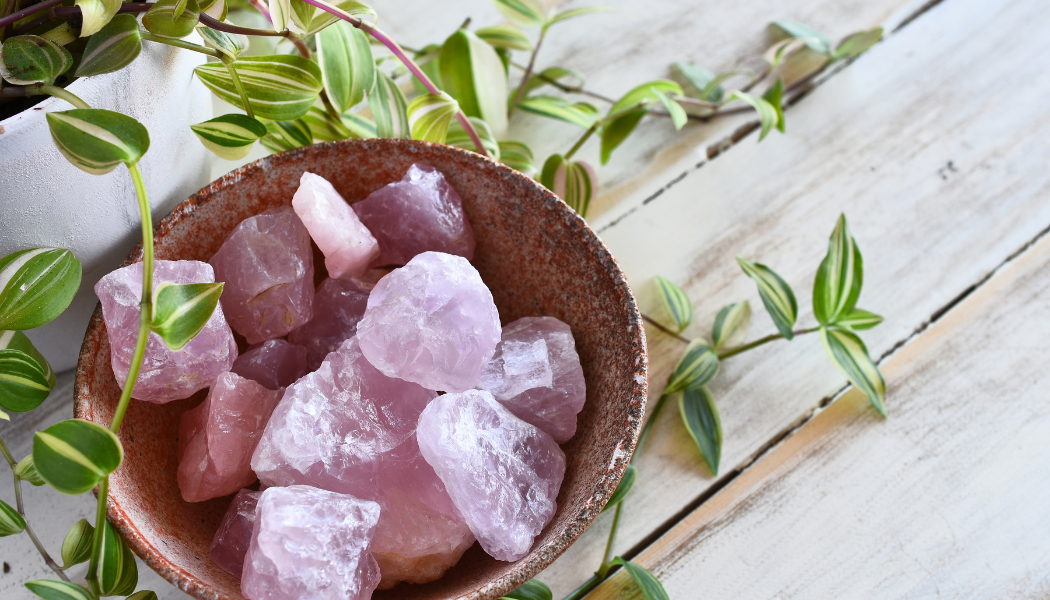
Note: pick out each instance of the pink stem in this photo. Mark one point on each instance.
(25, 12)
(262, 8)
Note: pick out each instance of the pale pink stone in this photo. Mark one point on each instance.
(311, 544)
(216, 439)
(268, 267)
(348, 245)
(273, 363)
(502, 473)
(420, 213)
(432, 322)
(338, 305)
(230, 543)
(536, 373)
(166, 374)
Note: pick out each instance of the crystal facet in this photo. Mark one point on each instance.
(274, 363)
(348, 245)
(502, 473)
(338, 306)
(268, 267)
(432, 322)
(230, 543)
(166, 374)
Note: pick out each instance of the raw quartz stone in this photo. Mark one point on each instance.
(217, 438)
(536, 373)
(338, 306)
(166, 374)
(230, 543)
(348, 245)
(311, 543)
(420, 213)
(268, 267)
(274, 363)
(432, 322)
(502, 473)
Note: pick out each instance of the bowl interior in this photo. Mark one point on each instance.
(537, 256)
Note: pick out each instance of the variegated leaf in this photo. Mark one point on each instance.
(280, 87)
(347, 67)
(310, 19)
(76, 547)
(676, 302)
(215, 9)
(180, 312)
(776, 295)
(458, 137)
(359, 127)
(118, 575)
(505, 36)
(16, 340)
(768, 115)
(430, 115)
(11, 522)
(323, 126)
(280, 13)
(229, 136)
(97, 140)
(114, 47)
(527, 13)
(731, 324)
(73, 455)
(31, 59)
(389, 108)
(700, 416)
(580, 114)
(472, 73)
(840, 276)
(532, 589)
(518, 156)
(858, 319)
(230, 44)
(575, 182)
(775, 97)
(857, 43)
(622, 488)
(51, 589)
(698, 366)
(36, 285)
(649, 586)
(26, 471)
(24, 382)
(143, 595)
(678, 116)
(615, 131)
(814, 39)
(572, 13)
(164, 19)
(96, 14)
(848, 352)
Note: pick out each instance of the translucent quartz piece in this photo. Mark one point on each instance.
(230, 543)
(166, 374)
(338, 306)
(432, 322)
(420, 213)
(273, 363)
(536, 373)
(502, 473)
(268, 267)
(347, 244)
(311, 544)
(216, 439)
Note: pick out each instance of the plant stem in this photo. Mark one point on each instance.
(100, 525)
(25, 12)
(181, 44)
(583, 138)
(528, 72)
(20, 506)
(62, 93)
(648, 426)
(262, 8)
(218, 25)
(587, 586)
(727, 352)
(240, 87)
(612, 533)
(666, 330)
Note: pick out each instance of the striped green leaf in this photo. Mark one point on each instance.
(16, 340)
(700, 416)
(527, 13)
(647, 584)
(360, 127)
(24, 382)
(287, 135)
(697, 82)
(31, 59)
(96, 14)
(118, 575)
(814, 39)
(857, 43)
(180, 312)
(164, 19)
(776, 295)
(112, 48)
(580, 114)
(347, 67)
(564, 77)
(51, 589)
(97, 140)
(504, 36)
(532, 589)
(622, 488)
(575, 182)
(678, 116)
(458, 137)
(851, 356)
(309, 19)
(73, 455)
(280, 13)
(616, 131)
(731, 324)
(36, 285)
(768, 115)
(518, 156)
(430, 115)
(230, 44)
(323, 126)
(840, 276)
(76, 547)
(698, 366)
(229, 136)
(572, 13)
(215, 9)
(143, 595)
(281, 87)
(389, 108)
(676, 302)
(26, 471)
(11, 522)
(473, 74)
(646, 94)
(775, 97)
(858, 319)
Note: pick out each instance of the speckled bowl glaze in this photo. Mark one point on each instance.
(537, 256)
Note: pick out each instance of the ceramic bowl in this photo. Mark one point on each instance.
(537, 256)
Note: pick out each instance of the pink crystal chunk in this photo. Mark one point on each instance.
(502, 473)
(432, 322)
(338, 305)
(216, 439)
(536, 373)
(311, 544)
(230, 543)
(420, 213)
(166, 374)
(347, 244)
(274, 363)
(268, 266)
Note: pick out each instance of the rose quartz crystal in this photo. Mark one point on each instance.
(268, 266)
(419, 213)
(431, 322)
(536, 373)
(338, 305)
(230, 543)
(216, 439)
(273, 363)
(166, 374)
(347, 244)
(311, 544)
(502, 473)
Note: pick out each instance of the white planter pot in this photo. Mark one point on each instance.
(46, 201)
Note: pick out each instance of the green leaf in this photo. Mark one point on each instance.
(114, 47)
(700, 416)
(731, 324)
(458, 137)
(118, 575)
(389, 108)
(622, 488)
(36, 285)
(572, 13)
(814, 39)
(280, 87)
(527, 13)
(473, 74)
(215, 9)
(580, 114)
(648, 584)
(347, 67)
(518, 156)
(97, 140)
(643, 96)
(646, 93)
(504, 36)
(697, 367)
(678, 116)
(840, 276)
(565, 77)
(776, 295)
(96, 14)
(31, 59)
(310, 19)
(143, 595)
(575, 182)
(180, 312)
(857, 43)
(615, 132)
(16, 340)
(230, 44)
(430, 115)
(11, 522)
(848, 352)
(73, 455)
(229, 136)
(858, 319)
(532, 589)
(359, 126)
(4, 416)
(676, 302)
(161, 19)
(24, 382)
(76, 547)
(51, 589)
(429, 60)
(323, 127)
(775, 97)
(26, 471)
(768, 115)
(280, 13)
(697, 82)
(293, 134)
